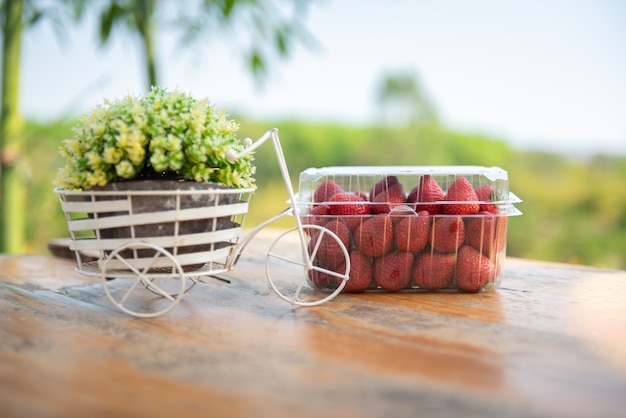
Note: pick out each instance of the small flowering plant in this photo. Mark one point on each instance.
(162, 135)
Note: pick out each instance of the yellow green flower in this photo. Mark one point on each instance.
(165, 132)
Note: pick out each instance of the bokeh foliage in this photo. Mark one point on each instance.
(574, 208)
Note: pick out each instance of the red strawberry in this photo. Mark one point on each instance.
(323, 280)
(411, 233)
(382, 185)
(386, 200)
(325, 191)
(400, 212)
(433, 270)
(473, 269)
(500, 230)
(485, 194)
(448, 233)
(392, 272)
(480, 232)
(489, 207)
(374, 237)
(349, 206)
(318, 215)
(428, 190)
(486, 233)
(362, 195)
(361, 271)
(330, 254)
(464, 197)
(360, 276)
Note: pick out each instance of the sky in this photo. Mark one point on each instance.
(540, 74)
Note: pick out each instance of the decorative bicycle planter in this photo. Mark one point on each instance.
(165, 241)
(447, 234)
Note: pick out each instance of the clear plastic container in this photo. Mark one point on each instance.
(429, 228)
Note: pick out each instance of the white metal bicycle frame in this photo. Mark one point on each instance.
(307, 261)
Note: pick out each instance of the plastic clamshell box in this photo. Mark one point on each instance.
(408, 229)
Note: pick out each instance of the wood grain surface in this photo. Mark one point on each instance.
(550, 342)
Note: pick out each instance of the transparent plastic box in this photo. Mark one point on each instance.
(408, 228)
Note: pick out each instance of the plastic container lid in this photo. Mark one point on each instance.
(361, 179)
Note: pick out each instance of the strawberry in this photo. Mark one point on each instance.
(362, 195)
(489, 207)
(374, 237)
(412, 231)
(500, 232)
(386, 200)
(447, 234)
(400, 212)
(486, 233)
(480, 232)
(473, 269)
(433, 271)
(484, 194)
(361, 271)
(330, 253)
(359, 278)
(317, 215)
(428, 190)
(325, 191)
(349, 206)
(464, 197)
(323, 280)
(382, 185)
(392, 272)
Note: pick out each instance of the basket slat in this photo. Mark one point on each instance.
(87, 224)
(93, 244)
(162, 262)
(121, 205)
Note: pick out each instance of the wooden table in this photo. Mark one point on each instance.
(551, 341)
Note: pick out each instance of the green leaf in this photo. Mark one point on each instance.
(227, 7)
(110, 16)
(281, 42)
(257, 63)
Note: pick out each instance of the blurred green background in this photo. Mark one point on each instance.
(574, 208)
(574, 204)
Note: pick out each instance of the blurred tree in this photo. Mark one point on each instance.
(15, 17)
(265, 26)
(403, 101)
(12, 196)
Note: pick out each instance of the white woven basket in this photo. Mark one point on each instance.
(198, 227)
